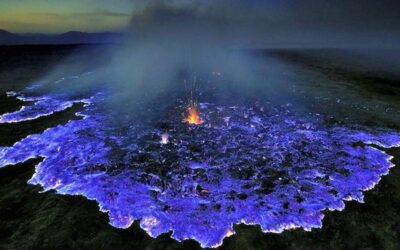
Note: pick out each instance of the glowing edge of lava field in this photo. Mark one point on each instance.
(147, 222)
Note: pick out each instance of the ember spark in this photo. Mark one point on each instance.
(193, 115)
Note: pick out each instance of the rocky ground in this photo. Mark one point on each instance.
(30, 219)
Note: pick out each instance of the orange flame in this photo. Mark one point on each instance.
(193, 116)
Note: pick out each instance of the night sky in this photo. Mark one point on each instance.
(270, 22)
(57, 16)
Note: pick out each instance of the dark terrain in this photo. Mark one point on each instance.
(33, 220)
(71, 37)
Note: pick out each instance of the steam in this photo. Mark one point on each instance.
(165, 40)
(166, 43)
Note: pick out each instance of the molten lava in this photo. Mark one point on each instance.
(193, 115)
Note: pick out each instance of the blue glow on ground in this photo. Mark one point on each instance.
(248, 164)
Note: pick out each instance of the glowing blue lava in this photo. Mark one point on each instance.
(243, 165)
(42, 106)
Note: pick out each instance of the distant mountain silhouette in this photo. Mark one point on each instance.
(71, 37)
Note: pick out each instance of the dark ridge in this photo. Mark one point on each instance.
(9, 104)
(71, 37)
(11, 133)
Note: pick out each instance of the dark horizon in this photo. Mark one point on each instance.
(70, 37)
(252, 23)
